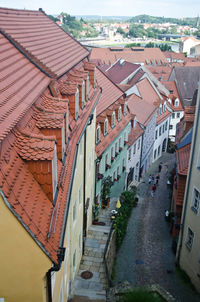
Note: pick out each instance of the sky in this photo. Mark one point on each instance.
(166, 8)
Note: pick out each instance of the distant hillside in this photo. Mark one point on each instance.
(151, 19)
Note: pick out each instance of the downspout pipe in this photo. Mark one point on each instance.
(188, 177)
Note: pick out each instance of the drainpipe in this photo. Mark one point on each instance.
(84, 190)
(195, 130)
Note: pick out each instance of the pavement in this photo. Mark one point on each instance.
(145, 256)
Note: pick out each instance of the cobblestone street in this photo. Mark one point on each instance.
(145, 256)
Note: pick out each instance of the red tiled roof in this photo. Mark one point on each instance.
(174, 55)
(147, 92)
(134, 134)
(163, 116)
(133, 55)
(42, 40)
(31, 146)
(182, 158)
(21, 84)
(162, 73)
(121, 70)
(143, 110)
(110, 92)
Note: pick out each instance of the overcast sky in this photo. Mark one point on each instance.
(166, 8)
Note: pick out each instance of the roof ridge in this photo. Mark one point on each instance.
(42, 67)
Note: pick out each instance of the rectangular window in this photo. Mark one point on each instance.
(129, 154)
(160, 131)
(166, 126)
(98, 135)
(189, 239)
(77, 104)
(173, 115)
(170, 127)
(106, 161)
(195, 200)
(138, 144)
(178, 114)
(106, 127)
(134, 148)
(156, 136)
(116, 148)
(74, 260)
(74, 211)
(163, 128)
(113, 119)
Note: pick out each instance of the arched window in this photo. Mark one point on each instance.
(113, 119)
(106, 127)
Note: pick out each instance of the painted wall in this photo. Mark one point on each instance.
(190, 255)
(174, 120)
(62, 281)
(24, 264)
(148, 144)
(160, 143)
(116, 166)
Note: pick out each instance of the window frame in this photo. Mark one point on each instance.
(189, 238)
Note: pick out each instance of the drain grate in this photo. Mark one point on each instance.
(86, 275)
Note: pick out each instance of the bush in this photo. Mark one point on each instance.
(140, 295)
(121, 220)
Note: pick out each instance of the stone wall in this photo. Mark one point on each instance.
(111, 253)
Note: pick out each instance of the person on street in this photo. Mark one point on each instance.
(153, 190)
(157, 179)
(150, 179)
(159, 168)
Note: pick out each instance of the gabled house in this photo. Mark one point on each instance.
(47, 143)
(112, 130)
(187, 43)
(188, 245)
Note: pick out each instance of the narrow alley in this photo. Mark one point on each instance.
(146, 256)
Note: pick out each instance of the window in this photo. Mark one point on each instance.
(156, 136)
(114, 176)
(120, 144)
(113, 119)
(125, 109)
(83, 94)
(129, 154)
(106, 127)
(160, 111)
(74, 211)
(106, 161)
(119, 114)
(138, 144)
(160, 131)
(158, 150)
(189, 239)
(178, 115)
(77, 104)
(164, 108)
(74, 260)
(134, 123)
(155, 154)
(166, 126)
(195, 200)
(112, 153)
(87, 91)
(173, 115)
(176, 103)
(170, 127)
(134, 148)
(116, 148)
(163, 128)
(98, 135)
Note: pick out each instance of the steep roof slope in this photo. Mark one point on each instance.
(121, 70)
(110, 92)
(21, 84)
(41, 40)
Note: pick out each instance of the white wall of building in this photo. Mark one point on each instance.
(161, 139)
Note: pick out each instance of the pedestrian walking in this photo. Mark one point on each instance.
(150, 179)
(157, 179)
(153, 190)
(159, 168)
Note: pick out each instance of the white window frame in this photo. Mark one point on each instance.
(98, 131)
(176, 103)
(195, 203)
(83, 94)
(119, 114)
(106, 127)
(189, 238)
(173, 115)
(113, 119)
(77, 104)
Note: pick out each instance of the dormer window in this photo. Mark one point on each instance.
(98, 135)
(113, 119)
(106, 127)
(67, 126)
(54, 172)
(159, 111)
(83, 94)
(164, 108)
(125, 109)
(87, 89)
(176, 104)
(77, 104)
(119, 114)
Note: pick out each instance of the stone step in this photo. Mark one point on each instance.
(91, 294)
